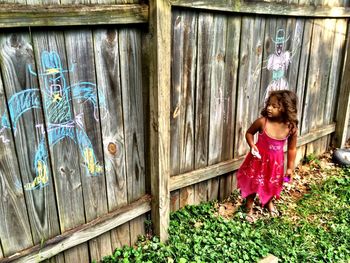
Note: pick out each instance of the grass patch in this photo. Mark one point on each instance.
(315, 227)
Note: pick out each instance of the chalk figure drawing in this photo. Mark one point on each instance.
(278, 63)
(61, 122)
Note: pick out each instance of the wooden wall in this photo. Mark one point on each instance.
(98, 165)
(219, 79)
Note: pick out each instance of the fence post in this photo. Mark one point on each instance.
(342, 117)
(160, 57)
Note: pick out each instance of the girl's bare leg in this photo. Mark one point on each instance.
(249, 204)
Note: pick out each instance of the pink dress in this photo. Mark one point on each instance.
(263, 176)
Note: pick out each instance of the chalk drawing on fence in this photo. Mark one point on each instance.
(61, 122)
(278, 62)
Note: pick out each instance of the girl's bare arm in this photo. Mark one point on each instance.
(291, 153)
(254, 128)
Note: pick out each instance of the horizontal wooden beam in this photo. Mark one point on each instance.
(82, 233)
(212, 171)
(15, 15)
(265, 8)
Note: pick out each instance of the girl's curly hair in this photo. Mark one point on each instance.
(288, 100)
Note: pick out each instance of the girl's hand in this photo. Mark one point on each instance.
(289, 175)
(255, 151)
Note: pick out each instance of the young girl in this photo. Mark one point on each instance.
(262, 172)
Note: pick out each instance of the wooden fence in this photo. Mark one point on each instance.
(96, 119)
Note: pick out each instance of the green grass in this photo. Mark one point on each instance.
(318, 231)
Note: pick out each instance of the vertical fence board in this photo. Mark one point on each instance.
(182, 114)
(65, 155)
(79, 48)
(334, 76)
(294, 31)
(252, 33)
(313, 87)
(16, 55)
(176, 80)
(303, 79)
(325, 55)
(131, 79)
(218, 93)
(205, 30)
(15, 232)
(271, 27)
(229, 99)
(108, 78)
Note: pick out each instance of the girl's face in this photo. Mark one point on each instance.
(274, 109)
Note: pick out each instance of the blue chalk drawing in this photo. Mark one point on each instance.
(61, 121)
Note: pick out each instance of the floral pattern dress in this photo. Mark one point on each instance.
(263, 176)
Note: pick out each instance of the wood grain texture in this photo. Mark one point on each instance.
(65, 154)
(16, 55)
(218, 97)
(83, 233)
(205, 25)
(343, 108)
(294, 30)
(160, 24)
(79, 47)
(12, 16)
(326, 52)
(106, 45)
(303, 104)
(266, 8)
(15, 231)
(252, 33)
(131, 80)
(183, 96)
(176, 78)
(335, 70)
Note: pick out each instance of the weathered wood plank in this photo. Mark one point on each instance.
(205, 25)
(209, 172)
(160, 24)
(310, 81)
(79, 48)
(318, 74)
(303, 104)
(218, 97)
(177, 27)
(335, 70)
(16, 55)
(83, 233)
(252, 33)
(325, 53)
(265, 8)
(63, 144)
(14, 15)
(343, 109)
(131, 79)
(294, 31)
(107, 59)
(229, 99)
(271, 27)
(182, 97)
(15, 231)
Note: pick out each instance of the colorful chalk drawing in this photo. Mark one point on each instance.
(61, 122)
(279, 61)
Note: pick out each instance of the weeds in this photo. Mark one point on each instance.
(317, 230)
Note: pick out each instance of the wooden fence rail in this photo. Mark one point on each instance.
(14, 15)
